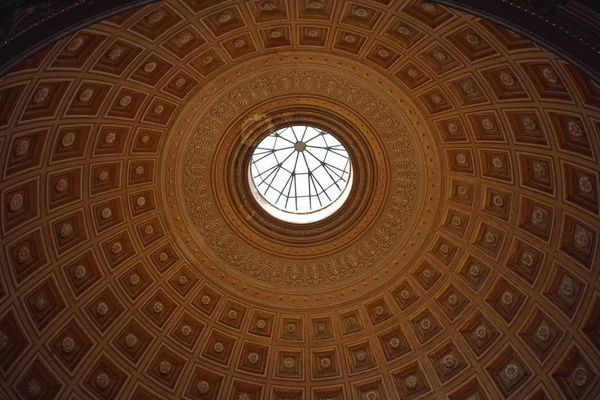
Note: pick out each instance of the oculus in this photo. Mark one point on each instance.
(300, 174)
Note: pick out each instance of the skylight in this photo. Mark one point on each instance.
(300, 174)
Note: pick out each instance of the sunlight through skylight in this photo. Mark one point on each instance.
(300, 174)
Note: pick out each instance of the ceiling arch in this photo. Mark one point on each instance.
(135, 266)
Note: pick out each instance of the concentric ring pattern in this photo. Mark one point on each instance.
(136, 264)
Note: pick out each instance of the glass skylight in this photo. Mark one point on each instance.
(300, 174)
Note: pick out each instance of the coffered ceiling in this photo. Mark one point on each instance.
(136, 265)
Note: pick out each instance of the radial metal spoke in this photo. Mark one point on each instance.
(304, 133)
(294, 133)
(287, 140)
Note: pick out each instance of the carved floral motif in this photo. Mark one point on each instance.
(209, 222)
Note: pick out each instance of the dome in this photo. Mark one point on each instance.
(434, 237)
